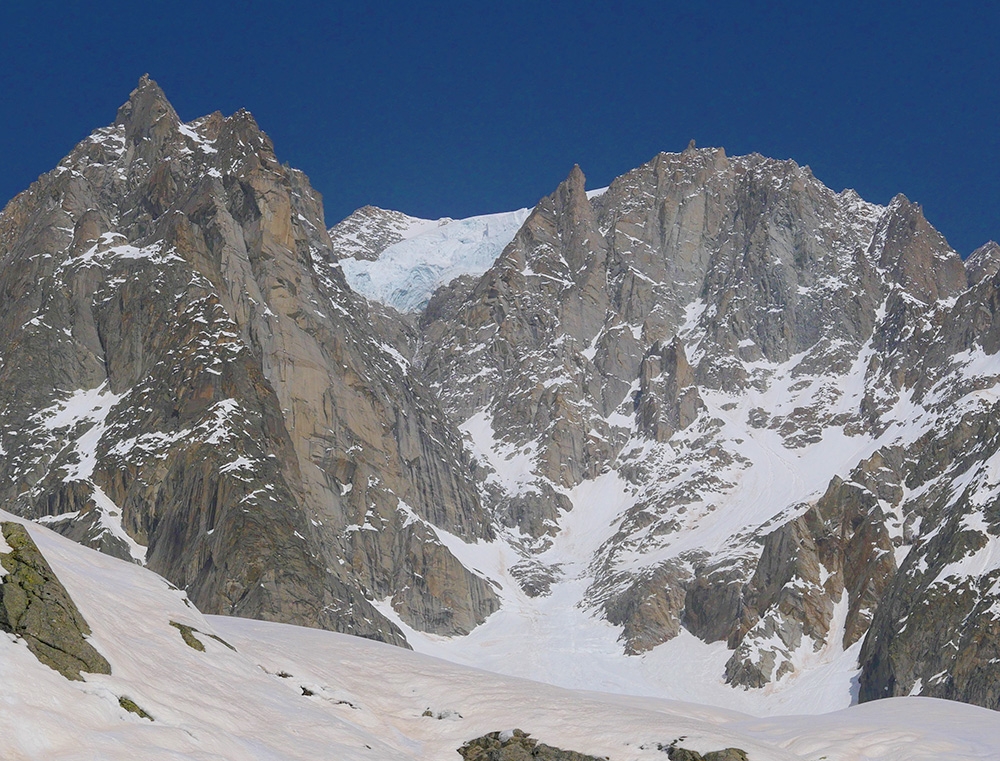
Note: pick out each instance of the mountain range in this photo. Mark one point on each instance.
(715, 432)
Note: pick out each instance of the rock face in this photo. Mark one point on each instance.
(779, 378)
(717, 398)
(668, 398)
(36, 608)
(369, 231)
(837, 551)
(983, 263)
(183, 368)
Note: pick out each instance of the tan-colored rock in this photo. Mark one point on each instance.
(259, 414)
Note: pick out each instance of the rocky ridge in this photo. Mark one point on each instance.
(187, 381)
(768, 369)
(515, 745)
(370, 230)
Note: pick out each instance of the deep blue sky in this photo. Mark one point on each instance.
(463, 108)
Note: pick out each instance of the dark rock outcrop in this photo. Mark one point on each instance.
(516, 746)
(35, 607)
(726, 754)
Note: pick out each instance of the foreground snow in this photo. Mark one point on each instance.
(293, 693)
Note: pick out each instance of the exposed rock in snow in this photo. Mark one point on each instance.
(35, 608)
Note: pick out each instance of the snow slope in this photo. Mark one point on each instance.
(431, 254)
(556, 639)
(561, 638)
(292, 693)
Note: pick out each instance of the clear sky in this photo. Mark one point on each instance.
(453, 109)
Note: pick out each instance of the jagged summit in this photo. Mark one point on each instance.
(576, 176)
(983, 263)
(146, 103)
(147, 115)
(188, 272)
(911, 248)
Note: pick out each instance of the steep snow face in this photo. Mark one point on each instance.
(429, 255)
(561, 638)
(273, 691)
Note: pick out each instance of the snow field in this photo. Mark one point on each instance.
(294, 693)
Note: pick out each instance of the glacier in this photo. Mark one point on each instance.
(431, 254)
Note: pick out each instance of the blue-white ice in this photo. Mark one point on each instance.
(406, 273)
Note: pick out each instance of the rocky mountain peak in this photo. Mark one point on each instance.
(575, 225)
(748, 319)
(242, 126)
(368, 231)
(983, 263)
(916, 255)
(183, 266)
(575, 179)
(147, 114)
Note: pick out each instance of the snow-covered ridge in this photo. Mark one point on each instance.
(431, 253)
